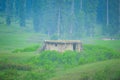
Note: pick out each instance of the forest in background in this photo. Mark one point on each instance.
(64, 19)
(25, 24)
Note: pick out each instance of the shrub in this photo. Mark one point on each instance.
(10, 74)
(27, 49)
(69, 58)
(4, 66)
(91, 53)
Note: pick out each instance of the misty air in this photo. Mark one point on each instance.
(59, 39)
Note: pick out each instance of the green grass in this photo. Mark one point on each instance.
(69, 59)
(14, 37)
(106, 70)
(112, 44)
(19, 58)
(16, 66)
(19, 61)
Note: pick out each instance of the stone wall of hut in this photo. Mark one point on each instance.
(61, 47)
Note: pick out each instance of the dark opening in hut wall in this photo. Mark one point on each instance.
(74, 46)
(56, 44)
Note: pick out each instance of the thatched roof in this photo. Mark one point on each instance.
(62, 41)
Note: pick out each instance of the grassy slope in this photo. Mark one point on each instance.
(19, 58)
(14, 37)
(106, 70)
(110, 44)
(113, 44)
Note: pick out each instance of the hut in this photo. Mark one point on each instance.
(62, 45)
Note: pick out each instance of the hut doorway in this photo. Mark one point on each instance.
(74, 46)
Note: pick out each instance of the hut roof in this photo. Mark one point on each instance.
(62, 41)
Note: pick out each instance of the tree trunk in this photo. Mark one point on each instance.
(8, 12)
(72, 15)
(22, 13)
(81, 5)
(107, 13)
(58, 23)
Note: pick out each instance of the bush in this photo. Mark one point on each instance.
(67, 59)
(47, 58)
(27, 49)
(10, 74)
(4, 66)
(98, 53)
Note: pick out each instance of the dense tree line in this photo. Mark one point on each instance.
(65, 18)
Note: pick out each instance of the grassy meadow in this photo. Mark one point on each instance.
(19, 58)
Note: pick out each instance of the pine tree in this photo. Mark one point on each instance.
(9, 7)
(22, 13)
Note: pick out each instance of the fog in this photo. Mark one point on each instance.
(59, 39)
(64, 19)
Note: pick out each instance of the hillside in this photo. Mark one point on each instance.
(25, 25)
(105, 70)
(18, 60)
